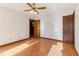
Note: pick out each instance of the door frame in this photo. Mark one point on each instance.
(29, 26)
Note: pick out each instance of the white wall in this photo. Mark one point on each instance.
(51, 26)
(13, 26)
(77, 28)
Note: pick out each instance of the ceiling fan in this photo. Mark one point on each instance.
(33, 8)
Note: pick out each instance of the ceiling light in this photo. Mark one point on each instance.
(33, 12)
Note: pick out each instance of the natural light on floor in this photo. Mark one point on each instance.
(56, 50)
(17, 49)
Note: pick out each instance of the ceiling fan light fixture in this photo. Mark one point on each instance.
(34, 8)
(33, 12)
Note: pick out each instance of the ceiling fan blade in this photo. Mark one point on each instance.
(41, 8)
(33, 3)
(28, 10)
(29, 5)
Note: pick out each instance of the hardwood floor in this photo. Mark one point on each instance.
(38, 47)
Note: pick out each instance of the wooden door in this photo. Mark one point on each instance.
(68, 29)
(37, 28)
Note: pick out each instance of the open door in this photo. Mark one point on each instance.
(68, 28)
(37, 28)
(34, 28)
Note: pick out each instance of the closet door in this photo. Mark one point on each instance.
(68, 29)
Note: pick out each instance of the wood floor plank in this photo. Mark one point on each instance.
(38, 47)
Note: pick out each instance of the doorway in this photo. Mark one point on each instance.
(34, 28)
(68, 28)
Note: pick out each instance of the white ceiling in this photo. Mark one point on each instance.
(15, 6)
(51, 7)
